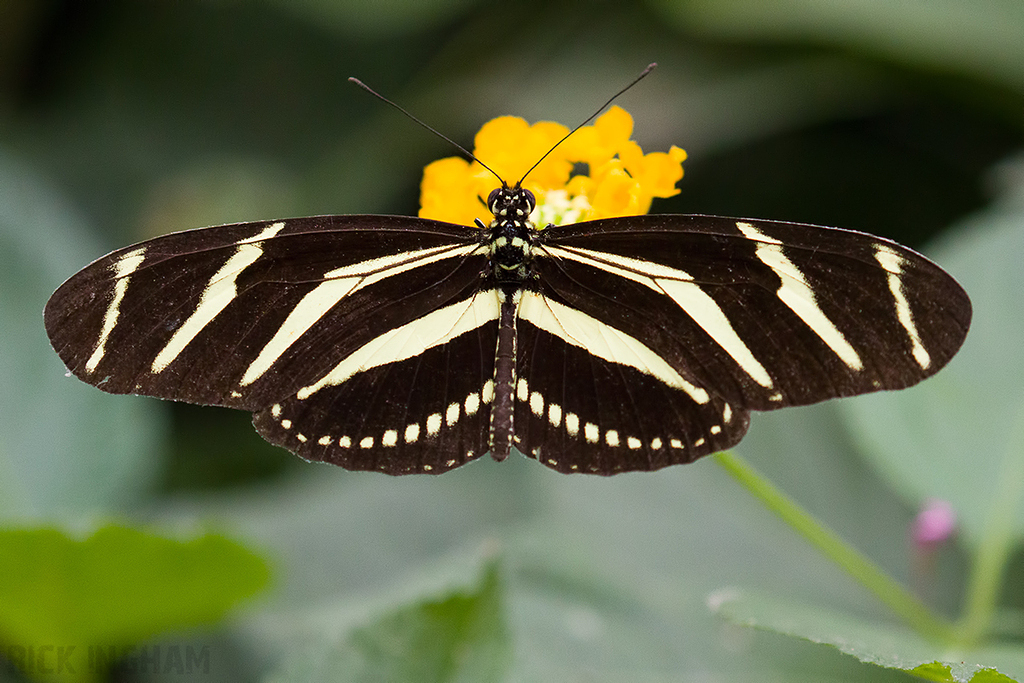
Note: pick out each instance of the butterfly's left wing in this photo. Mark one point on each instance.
(324, 327)
(723, 316)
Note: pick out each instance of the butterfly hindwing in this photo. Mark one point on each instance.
(577, 410)
(426, 413)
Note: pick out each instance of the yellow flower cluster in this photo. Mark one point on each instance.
(618, 179)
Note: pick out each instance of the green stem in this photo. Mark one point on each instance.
(898, 599)
(996, 542)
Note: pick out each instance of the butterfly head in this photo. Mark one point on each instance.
(511, 203)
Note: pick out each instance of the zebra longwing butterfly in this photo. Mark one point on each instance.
(407, 345)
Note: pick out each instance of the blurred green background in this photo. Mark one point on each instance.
(123, 120)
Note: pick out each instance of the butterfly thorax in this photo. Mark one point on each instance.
(511, 234)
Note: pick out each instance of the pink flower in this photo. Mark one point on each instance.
(934, 524)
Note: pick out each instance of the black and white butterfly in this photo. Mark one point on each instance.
(406, 345)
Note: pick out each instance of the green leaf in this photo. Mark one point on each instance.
(460, 637)
(872, 641)
(604, 578)
(116, 586)
(981, 38)
(936, 671)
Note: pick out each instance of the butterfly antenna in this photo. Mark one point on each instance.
(431, 129)
(643, 74)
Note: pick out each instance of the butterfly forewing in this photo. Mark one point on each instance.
(763, 314)
(244, 315)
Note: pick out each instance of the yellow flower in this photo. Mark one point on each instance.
(618, 179)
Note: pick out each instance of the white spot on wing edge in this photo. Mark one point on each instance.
(554, 414)
(798, 295)
(572, 424)
(472, 404)
(537, 404)
(123, 268)
(451, 415)
(522, 389)
(412, 433)
(893, 263)
(434, 424)
(218, 293)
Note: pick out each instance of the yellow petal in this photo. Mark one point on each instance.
(449, 192)
(510, 146)
(616, 195)
(586, 146)
(660, 172)
(597, 144)
(619, 179)
(615, 126)
(580, 185)
(632, 157)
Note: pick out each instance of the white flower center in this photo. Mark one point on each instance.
(557, 208)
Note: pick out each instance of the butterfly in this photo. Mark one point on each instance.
(409, 345)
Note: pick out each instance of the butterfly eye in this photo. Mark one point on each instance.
(492, 199)
(531, 201)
